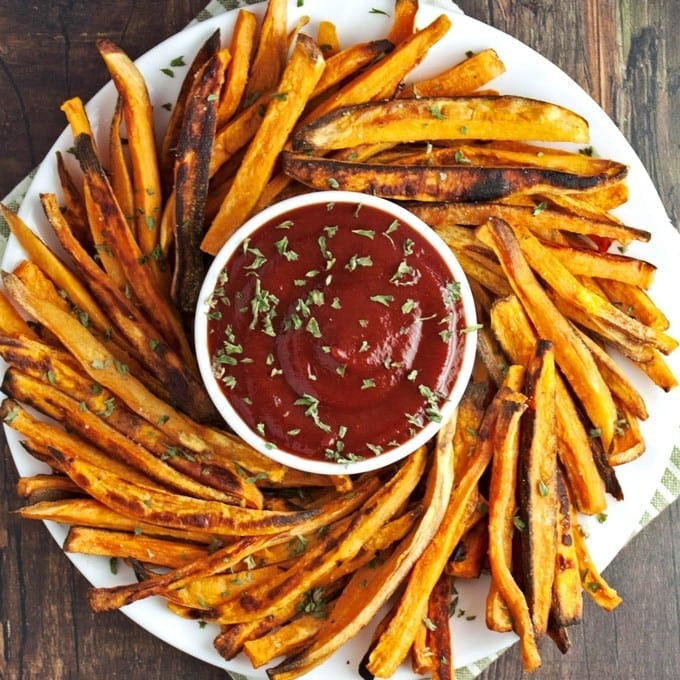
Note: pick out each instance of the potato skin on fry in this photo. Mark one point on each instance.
(432, 183)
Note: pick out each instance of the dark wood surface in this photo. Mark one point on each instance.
(626, 53)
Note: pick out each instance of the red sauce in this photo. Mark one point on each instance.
(336, 332)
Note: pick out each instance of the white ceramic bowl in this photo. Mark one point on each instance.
(234, 420)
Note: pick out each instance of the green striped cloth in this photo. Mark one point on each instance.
(669, 486)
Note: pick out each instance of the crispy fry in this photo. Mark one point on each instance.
(572, 356)
(138, 114)
(192, 162)
(12, 323)
(513, 329)
(341, 544)
(439, 630)
(74, 204)
(158, 551)
(478, 213)
(593, 583)
(327, 38)
(468, 556)
(537, 486)
(634, 301)
(136, 267)
(441, 118)
(299, 78)
(430, 183)
(394, 643)
(166, 156)
(567, 600)
(463, 78)
(501, 514)
(404, 21)
(76, 116)
(43, 487)
(629, 443)
(121, 182)
(270, 57)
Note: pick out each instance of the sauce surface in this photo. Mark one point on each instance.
(336, 332)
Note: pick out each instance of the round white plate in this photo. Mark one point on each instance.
(527, 74)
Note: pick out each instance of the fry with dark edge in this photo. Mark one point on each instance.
(138, 115)
(537, 486)
(404, 21)
(119, 174)
(166, 156)
(297, 83)
(573, 357)
(74, 204)
(433, 182)
(192, 165)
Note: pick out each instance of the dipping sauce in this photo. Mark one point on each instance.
(336, 332)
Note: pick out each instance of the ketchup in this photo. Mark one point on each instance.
(336, 332)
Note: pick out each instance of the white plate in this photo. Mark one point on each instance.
(527, 74)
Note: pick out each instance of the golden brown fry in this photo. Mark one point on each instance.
(467, 559)
(76, 116)
(138, 114)
(572, 355)
(272, 49)
(478, 213)
(501, 513)
(192, 164)
(91, 513)
(341, 544)
(121, 182)
(241, 48)
(12, 324)
(567, 599)
(166, 156)
(74, 204)
(537, 486)
(158, 551)
(470, 413)
(513, 329)
(463, 78)
(43, 487)
(441, 118)
(404, 21)
(394, 643)
(593, 583)
(327, 38)
(373, 585)
(299, 78)
(136, 266)
(439, 630)
(635, 302)
(63, 278)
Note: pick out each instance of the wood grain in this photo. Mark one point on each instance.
(623, 52)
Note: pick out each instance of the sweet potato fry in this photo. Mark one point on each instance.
(327, 38)
(572, 355)
(634, 301)
(121, 182)
(74, 204)
(43, 487)
(137, 268)
(513, 329)
(593, 583)
(166, 156)
(659, 372)
(441, 118)
(567, 600)
(138, 114)
(194, 148)
(404, 21)
(537, 486)
(467, 559)
(430, 183)
(439, 630)
(272, 49)
(300, 76)
(158, 551)
(501, 513)
(394, 643)
(373, 586)
(12, 324)
(76, 116)
(91, 513)
(478, 213)
(341, 544)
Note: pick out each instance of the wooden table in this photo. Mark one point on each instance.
(625, 53)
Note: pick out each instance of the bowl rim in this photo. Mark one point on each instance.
(221, 402)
